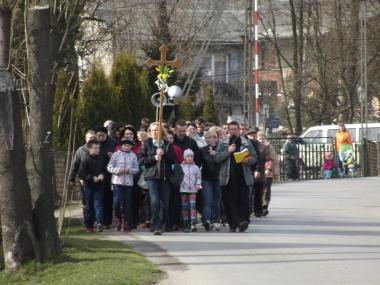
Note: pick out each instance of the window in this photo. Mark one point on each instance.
(314, 136)
(352, 132)
(331, 133)
(374, 134)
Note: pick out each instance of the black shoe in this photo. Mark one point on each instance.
(258, 214)
(265, 212)
(243, 226)
(207, 225)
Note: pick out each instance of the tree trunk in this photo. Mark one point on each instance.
(18, 238)
(39, 146)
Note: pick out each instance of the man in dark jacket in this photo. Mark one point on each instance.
(79, 156)
(236, 177)
(92, 172)
(107, 148)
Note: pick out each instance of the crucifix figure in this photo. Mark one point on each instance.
(163, 61)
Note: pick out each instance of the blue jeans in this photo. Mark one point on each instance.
(122, 202)
(93, 205)
(159, 193)
(327, 174)
(211, 194)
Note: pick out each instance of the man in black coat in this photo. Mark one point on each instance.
(79, 156)
(107, 148)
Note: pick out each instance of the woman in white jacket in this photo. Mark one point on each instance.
(123, 165)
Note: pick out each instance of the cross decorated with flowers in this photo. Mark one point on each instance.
(164, 69)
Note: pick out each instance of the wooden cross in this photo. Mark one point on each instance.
(176, 63)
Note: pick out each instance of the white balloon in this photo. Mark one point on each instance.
(174, 91)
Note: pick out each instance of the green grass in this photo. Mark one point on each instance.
(88, 259)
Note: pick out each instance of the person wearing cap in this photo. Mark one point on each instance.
(191, 184)
(123, 165)
(235, 178)
(107, 148)
(79, 156)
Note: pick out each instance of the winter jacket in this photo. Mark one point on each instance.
(189, 143)
(79, 156)
(223, 157)
(271, 159)
(291, 150)
(210, 168)
(342, 138)
(93, 166)
(329, 164)
(192, 178)
(121, 160)
(147, 159)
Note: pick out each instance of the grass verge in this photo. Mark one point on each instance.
(88, 259)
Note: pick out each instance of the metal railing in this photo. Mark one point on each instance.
(310, 157)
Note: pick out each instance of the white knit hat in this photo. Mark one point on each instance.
(188, 152)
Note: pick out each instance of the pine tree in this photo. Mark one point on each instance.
(186, 108)
(130, 90)
(209, 110)
(94, 104)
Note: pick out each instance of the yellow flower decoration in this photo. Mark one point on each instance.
(164, 72)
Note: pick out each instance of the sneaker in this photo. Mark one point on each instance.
(157, 233)
(193, 228)
(265, 212)
(243, 226)
(207, 225)
(232, 230)
(99, 228)
(89, 230)
(216, 227)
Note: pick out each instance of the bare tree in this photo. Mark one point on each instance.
(18, 237)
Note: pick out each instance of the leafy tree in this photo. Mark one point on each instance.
(209, 110)
(94, 104)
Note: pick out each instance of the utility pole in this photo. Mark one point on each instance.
(255, 16)
(363, 70)
(251, 102)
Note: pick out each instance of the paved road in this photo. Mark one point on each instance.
(319, 232)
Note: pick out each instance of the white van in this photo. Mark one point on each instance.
(321, 133)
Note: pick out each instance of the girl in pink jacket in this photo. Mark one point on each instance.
(190, 186)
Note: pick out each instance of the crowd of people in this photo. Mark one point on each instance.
(198, 173)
